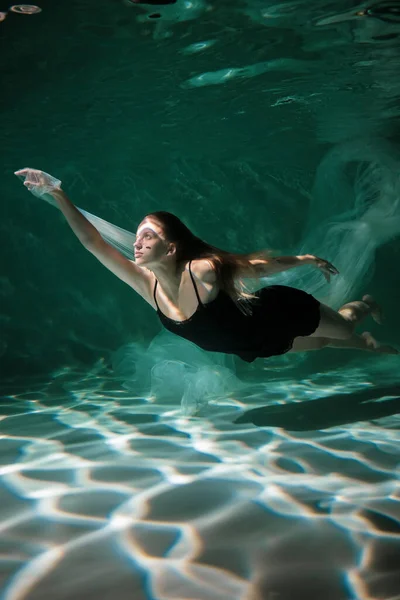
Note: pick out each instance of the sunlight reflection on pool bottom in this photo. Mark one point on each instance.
(104, 493)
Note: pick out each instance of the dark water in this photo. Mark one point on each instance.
(134, 465)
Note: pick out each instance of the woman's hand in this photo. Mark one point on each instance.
(39, 182)
(323, 265)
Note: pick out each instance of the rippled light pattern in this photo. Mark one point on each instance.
(102, 490)
(263, 124)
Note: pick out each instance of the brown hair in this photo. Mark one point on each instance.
(227, 265)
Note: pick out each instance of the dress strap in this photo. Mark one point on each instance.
(194, 285)
(154, 294)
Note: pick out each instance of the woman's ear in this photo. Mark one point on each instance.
(171, 249)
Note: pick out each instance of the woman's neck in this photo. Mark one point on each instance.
(169, 277)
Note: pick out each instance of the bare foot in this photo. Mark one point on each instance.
(376, 310)
(370, 341)
(374, 346)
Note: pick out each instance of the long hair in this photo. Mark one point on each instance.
(227, 265)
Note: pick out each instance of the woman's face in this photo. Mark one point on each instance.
(150, 245)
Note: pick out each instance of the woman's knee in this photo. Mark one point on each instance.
(333, 325)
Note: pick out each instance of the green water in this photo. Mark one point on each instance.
(133, 466)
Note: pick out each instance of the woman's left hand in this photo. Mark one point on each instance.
(323, 265)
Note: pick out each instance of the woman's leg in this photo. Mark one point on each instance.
(365, 341)
(340, 324)
(336, 329)
(305, 344)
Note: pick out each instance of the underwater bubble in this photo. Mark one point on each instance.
(26, 9)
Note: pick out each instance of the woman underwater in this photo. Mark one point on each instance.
(199, 293)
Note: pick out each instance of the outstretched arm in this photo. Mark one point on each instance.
(138, 278)
(48, 188)
(277, 264)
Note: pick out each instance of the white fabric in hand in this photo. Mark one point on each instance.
(43, 185)
(38, 182)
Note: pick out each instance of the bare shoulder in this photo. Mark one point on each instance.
(148, 279)
(144, 272)
(203, 269)
(138, 278)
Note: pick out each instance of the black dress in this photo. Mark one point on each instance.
(278, 314)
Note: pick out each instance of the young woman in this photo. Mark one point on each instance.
(199, 291)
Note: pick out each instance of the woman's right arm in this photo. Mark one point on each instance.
(141, 280)
(42, 184)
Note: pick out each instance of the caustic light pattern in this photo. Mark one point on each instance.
(127, 493)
